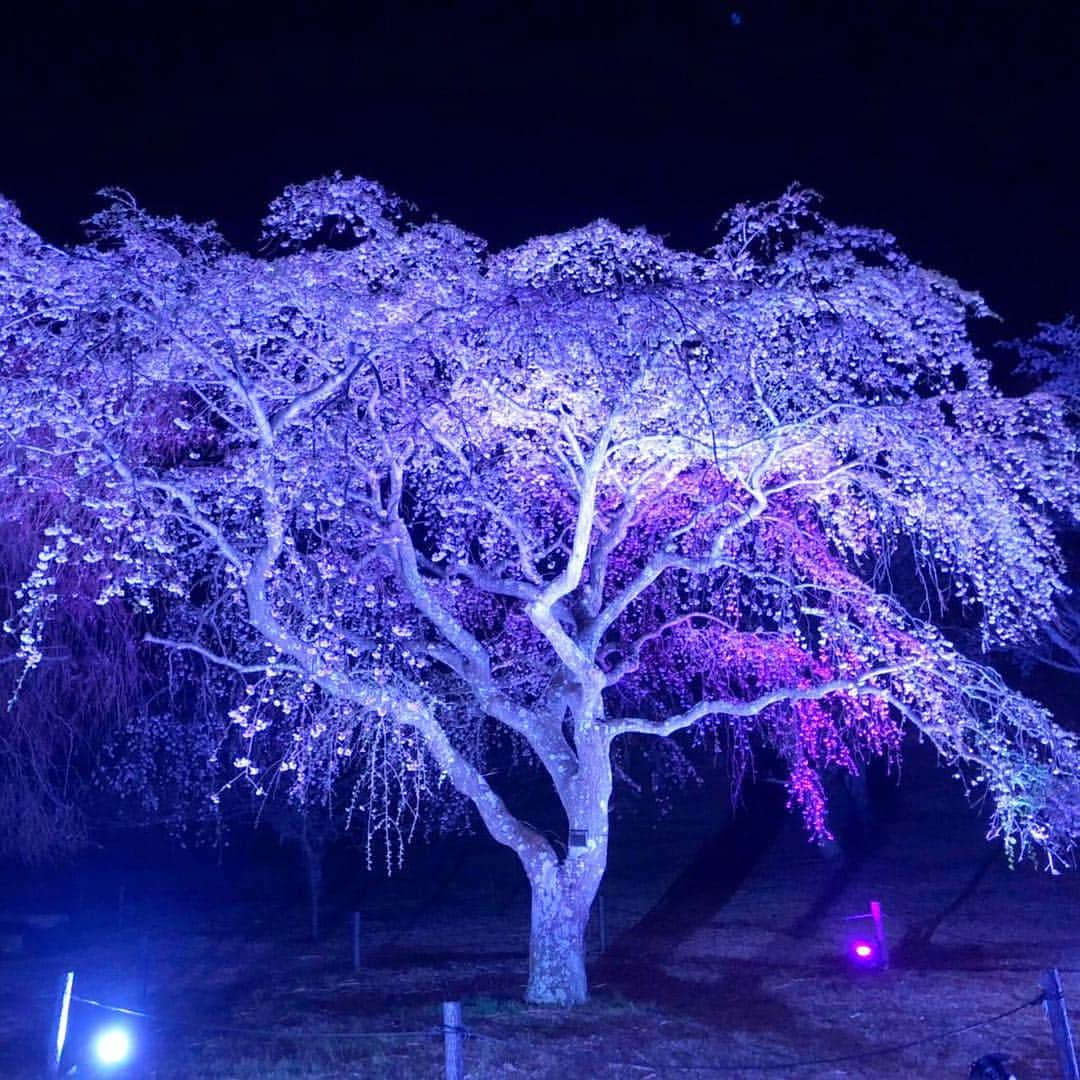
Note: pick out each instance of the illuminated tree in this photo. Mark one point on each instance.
(419, 510)
(1051, 358)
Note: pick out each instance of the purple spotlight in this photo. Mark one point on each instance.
(863, 951)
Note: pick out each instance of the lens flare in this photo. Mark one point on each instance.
(113, 1046)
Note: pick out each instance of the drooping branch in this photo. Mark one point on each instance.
(216, 659)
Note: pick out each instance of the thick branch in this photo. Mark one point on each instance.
(317, 395)
(530, 846)
(545, 738)
(860, 684)
(475, 656)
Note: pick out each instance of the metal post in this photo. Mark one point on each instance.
(59, 1026)
(1057, 1014)
(356, 941)
(452, 1033)
(879, 934)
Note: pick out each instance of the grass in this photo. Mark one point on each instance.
(729, 991)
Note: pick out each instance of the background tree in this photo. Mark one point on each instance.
(88, 682)
(1050, 359)
(422, 511)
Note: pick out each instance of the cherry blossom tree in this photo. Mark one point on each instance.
(1051, 359)
(416, 510)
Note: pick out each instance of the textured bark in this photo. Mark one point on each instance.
(560, 915)
(563, 892)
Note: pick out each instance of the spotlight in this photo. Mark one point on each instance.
(113, 1046)
(863, 951)
(869, 949)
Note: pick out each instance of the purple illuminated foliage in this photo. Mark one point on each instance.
(413, 508)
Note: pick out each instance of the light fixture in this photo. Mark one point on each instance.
(863, 952)
(871, 948)
(113, 1046)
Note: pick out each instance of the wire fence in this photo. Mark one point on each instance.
(796, 1067)
(629, 916)
(791, 1067)
(279, 1033)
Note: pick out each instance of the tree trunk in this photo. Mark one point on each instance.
(313, 851)
(562, 896)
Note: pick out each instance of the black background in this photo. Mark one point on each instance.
(954, 128)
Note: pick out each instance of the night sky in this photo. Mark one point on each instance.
(955, 129)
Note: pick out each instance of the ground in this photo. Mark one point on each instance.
(725, 958)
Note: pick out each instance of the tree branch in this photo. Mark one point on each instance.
(530, 846)
(642, 726)
(217, 659)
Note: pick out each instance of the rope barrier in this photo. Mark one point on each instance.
(863, 1054)
(468, 1033)
(109, 1008)
(278, 1033)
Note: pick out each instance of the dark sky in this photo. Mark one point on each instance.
(955, 129)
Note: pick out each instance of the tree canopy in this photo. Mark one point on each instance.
(413, 505)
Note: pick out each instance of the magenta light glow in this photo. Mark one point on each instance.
(863, 950)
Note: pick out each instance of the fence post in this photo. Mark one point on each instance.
(58, 1028)
(1057, 1014)
(452, 1032)
(879, 933)
(356, 941)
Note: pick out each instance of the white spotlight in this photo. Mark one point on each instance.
(113, 1046)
